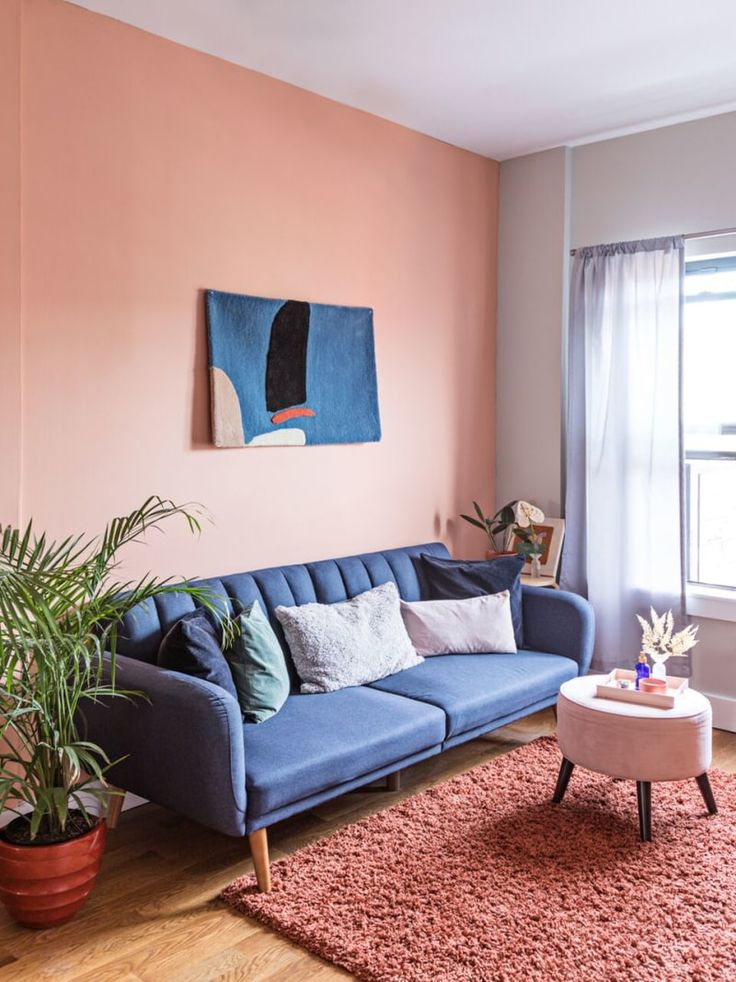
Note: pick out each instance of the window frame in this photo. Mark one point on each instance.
(713, 601)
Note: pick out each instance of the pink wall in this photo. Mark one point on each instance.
(151, 172)
(10, 419)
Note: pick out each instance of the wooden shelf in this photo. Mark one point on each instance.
(548, 581)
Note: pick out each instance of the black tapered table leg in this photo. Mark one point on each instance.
(644, 798)
(563, 779)
(707, 792)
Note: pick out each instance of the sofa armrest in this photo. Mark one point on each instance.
(183, 748)
(560, 622)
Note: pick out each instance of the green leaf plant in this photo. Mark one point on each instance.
(61, 606)
(493, 525)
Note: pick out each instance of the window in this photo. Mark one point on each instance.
(709, 417)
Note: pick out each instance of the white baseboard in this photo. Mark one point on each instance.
(724, 712)
(133, 801)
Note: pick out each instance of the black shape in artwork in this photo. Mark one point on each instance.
(286, 364)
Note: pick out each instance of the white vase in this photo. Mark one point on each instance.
(659, 671)
(536, 566)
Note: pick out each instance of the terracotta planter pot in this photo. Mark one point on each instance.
(43, 886)
(490, 554)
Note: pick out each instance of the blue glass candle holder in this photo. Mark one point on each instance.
(641, 668)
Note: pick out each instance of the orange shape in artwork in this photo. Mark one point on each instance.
(291, 414)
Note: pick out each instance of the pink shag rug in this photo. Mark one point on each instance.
(482, 878)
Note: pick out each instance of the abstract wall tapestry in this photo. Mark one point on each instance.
(288, 373)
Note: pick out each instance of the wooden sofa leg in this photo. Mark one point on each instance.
(114, 807)
(259, 850)
(393, 781)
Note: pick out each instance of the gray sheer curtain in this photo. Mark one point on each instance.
(624, 501)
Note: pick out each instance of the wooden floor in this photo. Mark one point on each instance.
(154, 915)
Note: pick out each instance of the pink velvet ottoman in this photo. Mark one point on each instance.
(632, 742)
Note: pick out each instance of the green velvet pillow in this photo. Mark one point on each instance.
(258, 666)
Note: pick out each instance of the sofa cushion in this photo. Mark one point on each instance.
(478, 689)
(335, 645)
(320, 740)
(455, 579)
(192, 647)
(258, 666)
(478, 624)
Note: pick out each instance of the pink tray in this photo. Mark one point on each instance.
(661, 700)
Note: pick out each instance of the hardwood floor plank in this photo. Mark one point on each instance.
(169, 956)
(228, 965)
(272, 957)
(136, 949)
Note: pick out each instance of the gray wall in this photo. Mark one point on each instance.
(670, 181)
(533, 245)
(675, 180)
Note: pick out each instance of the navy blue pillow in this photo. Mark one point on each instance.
(457, 579)
(192, 647)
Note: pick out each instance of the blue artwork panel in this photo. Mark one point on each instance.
(287, 372)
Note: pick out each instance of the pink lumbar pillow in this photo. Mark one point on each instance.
(456, 627)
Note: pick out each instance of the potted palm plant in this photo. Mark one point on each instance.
(60, 608)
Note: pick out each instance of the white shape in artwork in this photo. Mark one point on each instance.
(279, 438)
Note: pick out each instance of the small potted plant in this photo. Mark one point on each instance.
(60, 608)
(519, 516)
(492, 526)
(659, 642)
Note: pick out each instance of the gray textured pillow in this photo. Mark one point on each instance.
(349, 643)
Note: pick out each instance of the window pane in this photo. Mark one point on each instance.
(710, 376)
(710, 281)
(709, 418)
(712, 520)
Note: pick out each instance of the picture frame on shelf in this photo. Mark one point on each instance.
(552, 532)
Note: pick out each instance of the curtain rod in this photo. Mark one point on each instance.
(714, 233)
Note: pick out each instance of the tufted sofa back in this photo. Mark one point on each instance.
(328, 581)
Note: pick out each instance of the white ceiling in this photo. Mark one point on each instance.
(500, 78)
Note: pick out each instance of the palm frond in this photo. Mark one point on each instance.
(60, 610)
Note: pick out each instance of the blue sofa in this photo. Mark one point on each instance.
(187, 749)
